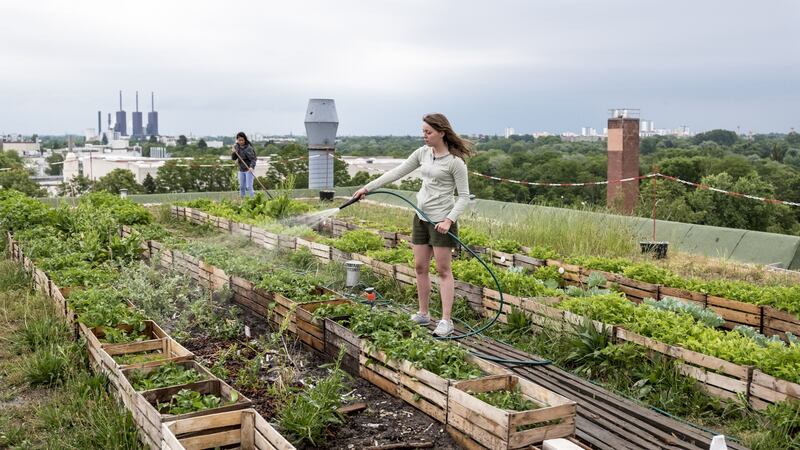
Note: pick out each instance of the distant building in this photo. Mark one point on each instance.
(509, 132)
(136, 118)
(20, 147)
(152, 117)
(121, 124)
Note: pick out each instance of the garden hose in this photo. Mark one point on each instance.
(472, 331)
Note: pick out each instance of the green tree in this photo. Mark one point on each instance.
(201, 144)
(182, 141)
(56, 164)
(19, 179)
(727, 211)
(10, 158)
(149, 185)
(793, 138)
(118, 179)
(778, 151)
(721, 137)
(206, 174)
(104, 141)
(362, 177)
(153, 139)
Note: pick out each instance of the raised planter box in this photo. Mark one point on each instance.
(244, 429)
(311, 331)
(152, 352)
(420, 388)
(424, 390)
(405, 274)
(150, 420)
(190, 364)
(337, 336)
(499, 429)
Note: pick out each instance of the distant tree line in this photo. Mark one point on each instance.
(762, 165)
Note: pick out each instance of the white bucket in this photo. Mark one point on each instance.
(353, 269)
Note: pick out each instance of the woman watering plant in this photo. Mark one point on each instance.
(444, 171)
(243, 152)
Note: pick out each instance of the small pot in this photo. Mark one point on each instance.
(326, 196)
(657, 248)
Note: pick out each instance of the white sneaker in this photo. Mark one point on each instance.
(421, 319)
(444, 328)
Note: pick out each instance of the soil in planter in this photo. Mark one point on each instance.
(386, 420)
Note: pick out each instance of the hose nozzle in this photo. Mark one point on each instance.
(349, 202)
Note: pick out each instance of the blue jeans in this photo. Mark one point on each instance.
(246, 184)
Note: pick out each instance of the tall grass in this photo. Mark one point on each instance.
(83, 415)
(570, 233)
(54, 402)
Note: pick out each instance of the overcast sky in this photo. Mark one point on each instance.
(222, 66)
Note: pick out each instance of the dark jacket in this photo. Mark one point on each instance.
(248, 155)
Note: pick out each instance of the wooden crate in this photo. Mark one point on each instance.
(311, 331)
(287, 242)
(777, 322)
(472, 293)
(736, 312)
(242, 229)
(338, 336)
(339, 255)
(502, 259)
(245, 429)
(383, 269)
(528, 262)
(405, 274)
(163, 350)
(150, 420)
(499, 429)
(320, 251)
(283, 308)
(244, 294)
(420, 388)
(127, 391)
(716, 376)
(766, 389)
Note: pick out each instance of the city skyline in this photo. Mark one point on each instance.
(530, 66)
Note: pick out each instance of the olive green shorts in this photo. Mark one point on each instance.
(424, 233)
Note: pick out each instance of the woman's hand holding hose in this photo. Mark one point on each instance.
(443, 226)
(361, 193)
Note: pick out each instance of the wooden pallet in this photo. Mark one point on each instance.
(311, 331)
(501, 429)
(150, 420)
(244, 429)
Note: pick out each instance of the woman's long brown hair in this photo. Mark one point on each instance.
(458, 146)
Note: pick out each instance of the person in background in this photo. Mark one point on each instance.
(442, 161)
(243, 152)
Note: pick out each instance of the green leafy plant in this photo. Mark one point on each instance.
(170, 374)
(511, 400)
(308, 415)
(188, 401)
(359, 241)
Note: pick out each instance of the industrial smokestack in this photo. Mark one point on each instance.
(137, 101)
(120, 100)
(109, 121)
(152, 102)
(99, 124)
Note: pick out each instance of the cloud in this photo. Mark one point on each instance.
(223, 66)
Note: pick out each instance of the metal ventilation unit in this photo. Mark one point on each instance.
(321, 125)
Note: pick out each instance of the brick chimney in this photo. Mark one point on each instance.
(623, 160)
